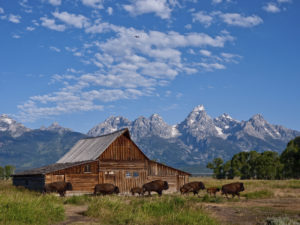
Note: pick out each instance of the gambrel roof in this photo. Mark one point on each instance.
(91, 148)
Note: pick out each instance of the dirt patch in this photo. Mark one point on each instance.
(248, 212)
(75, 216)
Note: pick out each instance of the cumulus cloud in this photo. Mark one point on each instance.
(55, 2)
(14, 18)
(78, 21)
(16, 36)
(271, 7)
(233, 19)
(236, 19)
(50, 23)
(1, 10)
(160, 8)
(151, 60)
(110, 11)
(205, 52)
(203, 18)
(93, 3)
(55, 49)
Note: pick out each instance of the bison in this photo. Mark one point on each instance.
(233, 189)
(137, 190)
(60, 187)
(192, 187)
(156, 185)
(105, 189)
(212, 190)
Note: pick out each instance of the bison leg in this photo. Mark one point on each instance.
(159, 193)
(149, 193)
(238, 194)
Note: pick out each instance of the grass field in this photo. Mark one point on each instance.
(263, 202)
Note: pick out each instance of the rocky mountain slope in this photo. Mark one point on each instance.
(196, 140)
(199, 138)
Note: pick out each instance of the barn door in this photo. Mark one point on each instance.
(110, 177)
(101, 177)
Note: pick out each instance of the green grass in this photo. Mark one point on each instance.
(167, 210)
(78, 200)
(20, 207)
(258, 194)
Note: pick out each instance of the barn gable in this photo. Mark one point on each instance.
(91, 148)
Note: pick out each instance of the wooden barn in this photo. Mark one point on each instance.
(111, 158)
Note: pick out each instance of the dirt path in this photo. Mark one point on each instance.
(74, 216)
(254, 211)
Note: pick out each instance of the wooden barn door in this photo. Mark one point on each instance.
(101, 177)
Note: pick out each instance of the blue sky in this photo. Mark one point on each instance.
(78, 62)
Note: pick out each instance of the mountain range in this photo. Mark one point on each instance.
(195, 141)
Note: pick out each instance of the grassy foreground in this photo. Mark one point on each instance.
(19, 206)
(168, 210)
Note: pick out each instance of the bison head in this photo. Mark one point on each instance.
(218, 189)
(242, 187)
(69, 186)
(166, 185)
(116, 190)
(201, 185)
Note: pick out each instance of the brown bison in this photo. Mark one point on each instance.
(233, 189)
(105, 189)
(192, 187)
(137, 190)
(212, 190)
(60, 187)
(156, 185)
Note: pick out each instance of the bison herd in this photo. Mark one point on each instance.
(154, 186)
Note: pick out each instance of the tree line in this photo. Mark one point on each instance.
(266, 165)
(6, 172)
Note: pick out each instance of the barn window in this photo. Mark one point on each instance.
(109, 172)
(135, 174)
(128, 174)
(87, 168)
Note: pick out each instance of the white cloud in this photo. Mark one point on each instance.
(205, 53)
(55, 49)
(216, 1)
(1, 10)
(93, 3)
(284, 1)
(160, 8)
(132, 63)
(55, 2)
(78, 21)
(271, 7)
(16, 36)
(14, 18)
(50, 23)
(110, 11)
(212, 66)
(188, 26)
(203, 18)
(30, 28)
(228, 57)
(236, 19)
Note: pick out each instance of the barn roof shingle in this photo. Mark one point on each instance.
(91, 148)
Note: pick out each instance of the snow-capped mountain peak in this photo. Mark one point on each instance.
(9, 125)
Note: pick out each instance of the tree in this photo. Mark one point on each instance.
(268, 166)
(2, 174)
(218, 168)
(9, 170)
(290, 158)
